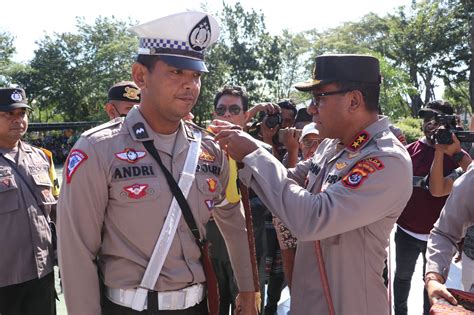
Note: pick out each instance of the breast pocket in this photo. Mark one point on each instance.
(43, 188)
(8, 194)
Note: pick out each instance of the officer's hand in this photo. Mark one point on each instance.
(245, 303)
(290, 140)
(437, 290)
(218, 125)
(450, 149)
(237, 143)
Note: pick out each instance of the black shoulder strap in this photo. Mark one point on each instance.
(178, 194)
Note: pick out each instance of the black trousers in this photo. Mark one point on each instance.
(110, 308)
(33, 297)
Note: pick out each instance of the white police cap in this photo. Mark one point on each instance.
(179, 39)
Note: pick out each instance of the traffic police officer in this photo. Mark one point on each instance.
(115, 202)
(26, 199)
(120, 99)
(343, 218)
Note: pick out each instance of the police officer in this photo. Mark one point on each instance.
(120, 99)
(117, 202)
(26, 199)
(343, 218)
(456, 216)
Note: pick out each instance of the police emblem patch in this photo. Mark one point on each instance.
(354, 179)
(130, 155)
(212, 184)
(206, 156)
(136, 191)
(131, 93)
(16, 96)
(75, 158)
(200, 36)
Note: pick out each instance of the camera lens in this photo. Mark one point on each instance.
(273, 121)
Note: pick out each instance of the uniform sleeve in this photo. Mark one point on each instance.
(457, 215)
(231, 222)
(300, 171)
(340, 208)
(81, 208)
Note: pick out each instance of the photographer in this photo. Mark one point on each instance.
(423, 208)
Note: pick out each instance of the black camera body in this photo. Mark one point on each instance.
(273, 121)
(444, 135)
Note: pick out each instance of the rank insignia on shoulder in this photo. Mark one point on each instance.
(359, 141)
(212, 184)
(210, 204)
(75, 158)
(130, 155)
(136, 191)
(140, 131)
(206, 156)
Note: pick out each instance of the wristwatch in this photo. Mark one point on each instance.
(457, 157)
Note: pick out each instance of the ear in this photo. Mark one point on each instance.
(139, 73)
(357, 101)
(109, 109)
(214, 115)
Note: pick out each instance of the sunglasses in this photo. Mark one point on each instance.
(316, 97)
(233, 109)
(310, 142)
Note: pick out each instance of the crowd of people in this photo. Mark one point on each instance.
(156, 215)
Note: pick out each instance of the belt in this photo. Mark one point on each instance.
(168, 300)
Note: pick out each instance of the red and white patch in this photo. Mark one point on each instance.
(206, 156)
(354, 179)
(375, 162)
(130, 155)
(210, 204)
(136, 191)
(6, 182)
(74, 160)
(212, 184)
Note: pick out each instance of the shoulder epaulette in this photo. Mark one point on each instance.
(106, 125)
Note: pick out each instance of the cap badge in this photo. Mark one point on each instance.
(200, 35)
(131, 93)
(130, 155)
(16, 96)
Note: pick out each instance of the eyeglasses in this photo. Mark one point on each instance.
(308, 143)
(233, 109)
(317, 96)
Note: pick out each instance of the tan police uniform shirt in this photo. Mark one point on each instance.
(457, 215)
(25, 238)
(113, 203)
(353, 197)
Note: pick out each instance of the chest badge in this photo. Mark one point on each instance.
(130, 155)
(212, 184)
(74, 160)
(136, 191)
(341, 165)
(206, 156)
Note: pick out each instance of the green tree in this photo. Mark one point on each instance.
(7, 50)
(71, 73)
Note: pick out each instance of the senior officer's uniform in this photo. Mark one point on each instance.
(26, 200)
(354, 194)
(115, 199)
(456, 216)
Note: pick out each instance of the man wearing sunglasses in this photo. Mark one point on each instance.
(343, 202)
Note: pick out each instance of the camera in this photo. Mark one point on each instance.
(444, 135)
(273, 121)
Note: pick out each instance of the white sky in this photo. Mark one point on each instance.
(29, 20)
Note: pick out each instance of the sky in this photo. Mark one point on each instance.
(29, 21)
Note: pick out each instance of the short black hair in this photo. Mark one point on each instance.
(233, 90)
(370, 93)
(288, 104)
(148, 61)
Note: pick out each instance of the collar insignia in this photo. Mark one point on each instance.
(211, 184)
(206, 156)
(136, 191)
(140, 131)
(75, 158)
(200, 35)
(131, 93)
(359, 141)
(130, 155)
